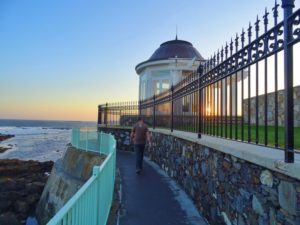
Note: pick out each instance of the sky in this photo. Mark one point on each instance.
(60, 59)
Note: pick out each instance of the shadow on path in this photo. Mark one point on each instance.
(152, 198)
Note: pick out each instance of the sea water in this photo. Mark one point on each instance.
(38, 140)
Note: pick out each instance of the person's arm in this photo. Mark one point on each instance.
(148, 138)
(132, 134)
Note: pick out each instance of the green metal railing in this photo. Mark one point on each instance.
(91, 203)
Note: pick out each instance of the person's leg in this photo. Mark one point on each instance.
(137, 157)
(142, 148)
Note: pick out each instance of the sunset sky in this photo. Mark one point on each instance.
(60, 59)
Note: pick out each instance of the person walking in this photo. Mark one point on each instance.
(140, 136)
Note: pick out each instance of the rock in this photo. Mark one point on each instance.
(287, 197)
(3, 149)
(221, 189)
(272, 216)
(255, 180)
(221, 175)
(234, 159)
(225, 218)
(262, 220)
(4, 205)
(237, 166)
(266, 178)
(38, 186)
(203, 168)
(244, 193)
(239, 204)
(9, 218)
(5, 136)
(206, 151)
(258, 206)
(31, 199)
(241, 220)
(226, 165)
(21, 184)
(21, 207)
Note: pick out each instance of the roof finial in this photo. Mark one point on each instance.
(176, 38)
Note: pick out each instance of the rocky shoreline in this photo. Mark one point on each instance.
(2, 138)
(21, 185)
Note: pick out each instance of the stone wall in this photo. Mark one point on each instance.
(271, 108)
(227, 189)
(122, 136)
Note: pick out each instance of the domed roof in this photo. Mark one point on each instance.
(174, 49)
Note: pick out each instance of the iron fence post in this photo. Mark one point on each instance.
(200, 70)
(154, 111)
(288, 6)
(172, 108)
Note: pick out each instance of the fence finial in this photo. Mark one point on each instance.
(222, 53)
(226, 50)
(243, 37)
(257, 24)
(266, 17)
(275, 10)
(236, 42)
(231, 46)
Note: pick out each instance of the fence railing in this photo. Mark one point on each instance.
(116, 114)
(245, 91)
(91, 203)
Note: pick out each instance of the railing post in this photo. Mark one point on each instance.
(154, 111)
(105, 114)
(99, 114)
(78, 138)
(96, 172)
(100, 142)
(200, 71)
(288, 6)
(139, 107)
(172, 108)
(86, 139)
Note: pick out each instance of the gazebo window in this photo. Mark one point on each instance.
(156, 87)
(165, 85)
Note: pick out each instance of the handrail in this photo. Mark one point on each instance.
(85, 207)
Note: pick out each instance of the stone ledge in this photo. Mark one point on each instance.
(270, 158)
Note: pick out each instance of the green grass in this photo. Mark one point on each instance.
(238, 134)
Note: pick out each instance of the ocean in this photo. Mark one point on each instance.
(40, 140)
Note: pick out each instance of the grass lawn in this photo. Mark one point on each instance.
(216, 131)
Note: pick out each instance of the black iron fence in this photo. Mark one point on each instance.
(236, 93)
(118, 114)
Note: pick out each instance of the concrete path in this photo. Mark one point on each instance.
(152, 198)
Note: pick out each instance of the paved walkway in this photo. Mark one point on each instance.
(152, 198)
